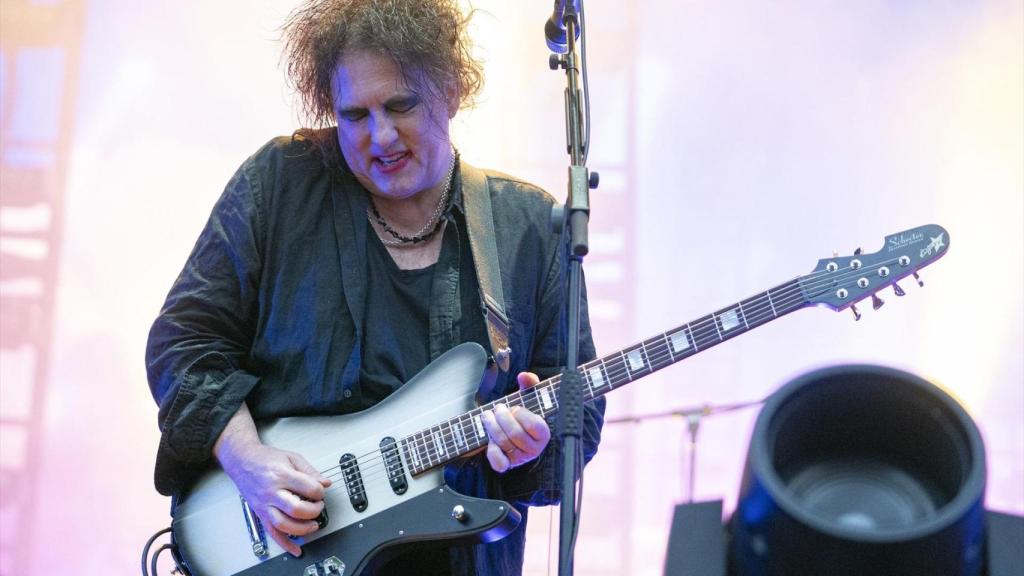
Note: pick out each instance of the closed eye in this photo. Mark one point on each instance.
(352, 115)
(403, 105)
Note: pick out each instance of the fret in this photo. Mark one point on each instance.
(468, 432)
(635, 361)
(793, 297)
(429, 449)
(667, 340)
(615, 368)
(440, 446)
(728, 320)
(433, 446)
(645, 358)
(757, 313)
(547, 400)
(597, 375)
(679, 341)
(585, 378)
(479, 428)
(460, 438)
(656, 353)
(743, 315)
(705, 333)
(417, 461)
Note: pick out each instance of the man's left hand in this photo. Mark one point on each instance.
(516, 434)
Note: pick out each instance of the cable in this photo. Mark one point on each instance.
(145, 549)
(586, 85)
(579, 495)
(152, 563)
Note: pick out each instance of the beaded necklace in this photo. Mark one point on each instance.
(429, 229)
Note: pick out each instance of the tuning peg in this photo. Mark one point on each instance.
(858, 251)
(919, 281)
(876, 302)
(835, 253)
(897, 290)
(856, 314)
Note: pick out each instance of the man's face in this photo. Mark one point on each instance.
(394, 139)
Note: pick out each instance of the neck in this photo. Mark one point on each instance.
(409, 214)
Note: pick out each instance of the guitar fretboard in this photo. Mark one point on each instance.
(460, 435)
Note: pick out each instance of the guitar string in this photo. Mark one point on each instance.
(533, 402)
(788, 294)
(757, 312)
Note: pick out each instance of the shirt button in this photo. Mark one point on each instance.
(348, 393)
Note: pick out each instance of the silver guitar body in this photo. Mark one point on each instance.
(215, 536)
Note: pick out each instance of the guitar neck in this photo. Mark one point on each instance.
(460, 435)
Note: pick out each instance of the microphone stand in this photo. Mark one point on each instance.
(693, 416)
(575, 214)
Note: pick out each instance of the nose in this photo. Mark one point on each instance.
(383, 131)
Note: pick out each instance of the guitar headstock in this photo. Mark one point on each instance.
(841, 282)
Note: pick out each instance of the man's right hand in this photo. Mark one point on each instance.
(281, 487)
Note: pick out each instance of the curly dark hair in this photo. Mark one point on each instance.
(427, 39)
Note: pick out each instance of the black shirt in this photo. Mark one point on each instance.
(396, 339)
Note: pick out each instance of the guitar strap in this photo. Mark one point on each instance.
(476, 199)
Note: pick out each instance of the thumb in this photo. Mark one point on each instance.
(527, 380)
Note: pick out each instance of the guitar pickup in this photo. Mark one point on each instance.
(393, 464)
(353, 482)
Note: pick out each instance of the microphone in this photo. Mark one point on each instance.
(554, 28)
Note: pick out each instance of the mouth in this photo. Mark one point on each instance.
(392, 161)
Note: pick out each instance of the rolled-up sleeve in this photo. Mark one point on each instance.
(197, 348)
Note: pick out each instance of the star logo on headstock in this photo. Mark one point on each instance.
(937, 244)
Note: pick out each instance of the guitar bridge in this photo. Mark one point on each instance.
(329, 567)
(255, 528)
(393, 464)
(353, 482)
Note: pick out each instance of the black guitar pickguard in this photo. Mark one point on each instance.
(426, 519)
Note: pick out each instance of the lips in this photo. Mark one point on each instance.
(392, 162)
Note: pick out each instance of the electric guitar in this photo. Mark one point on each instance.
(386, 462)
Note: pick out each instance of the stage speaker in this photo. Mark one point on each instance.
(857, 470)
(1005, 553)
(696, 543)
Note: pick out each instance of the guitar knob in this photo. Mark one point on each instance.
(459, 513)
(897, 290)
(919, 281)
(876, 302)
(856, 314)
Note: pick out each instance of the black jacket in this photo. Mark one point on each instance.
(269, 307)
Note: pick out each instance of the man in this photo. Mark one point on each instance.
(338, 263)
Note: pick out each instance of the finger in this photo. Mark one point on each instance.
(534, 426)
(527, 380)
(303, 484)
(297, 507)
(498, 460)
(494, 430)
(289, 525)
(303, 465)
(512, 429)
(284, 541)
